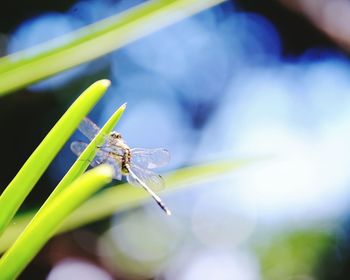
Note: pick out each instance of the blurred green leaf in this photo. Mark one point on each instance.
(122, 197)
(293, 255)
(20, 69)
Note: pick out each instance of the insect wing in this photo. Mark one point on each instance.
(115, 163)
(149, 158)
(150, 178)
(101, 157)
(112, 148)
(88, 128)
(78, 147)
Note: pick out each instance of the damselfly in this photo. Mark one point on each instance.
(135, 164)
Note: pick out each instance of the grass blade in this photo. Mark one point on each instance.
(19, 70)
(44, 225)
(34, 167)
(86, 157)
(82, 161)
(124, 197)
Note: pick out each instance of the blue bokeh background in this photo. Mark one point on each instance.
(218, 85)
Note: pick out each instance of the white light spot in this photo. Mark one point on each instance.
(72, 269)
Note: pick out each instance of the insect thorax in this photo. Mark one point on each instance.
(126, 161)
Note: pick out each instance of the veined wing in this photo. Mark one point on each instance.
(88, 128)
(153, 180)
(138, 177)
(101, 157)
(112, 148)
(149, 158)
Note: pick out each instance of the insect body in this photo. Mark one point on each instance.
(135, 164)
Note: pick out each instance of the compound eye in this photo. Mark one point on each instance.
(115, 135)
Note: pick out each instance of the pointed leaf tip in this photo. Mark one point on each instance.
(105, 82)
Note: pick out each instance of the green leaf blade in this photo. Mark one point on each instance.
(19, 70)
(83, 161)
(123, 197)
(43, 226)
(34, 167)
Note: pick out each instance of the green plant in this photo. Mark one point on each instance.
(41, 227)
(15, 193)
(19, 70)
(123, 197)
(45, 222)
(73, 190)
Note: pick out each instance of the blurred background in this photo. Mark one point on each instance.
(240, 80)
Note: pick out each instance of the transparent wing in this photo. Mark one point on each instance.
(88, 128)
(101, 156)
(134, 179)
(149, 158)
(154, 181)
(112, 148)
(78, 147)
(116, 166)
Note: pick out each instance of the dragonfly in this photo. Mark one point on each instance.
(135, 164)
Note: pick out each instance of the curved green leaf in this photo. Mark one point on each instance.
(86, 156)
(20, 69)
(43, 226)
(34, 167)
(122, 197)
